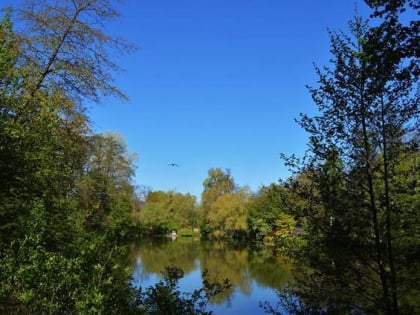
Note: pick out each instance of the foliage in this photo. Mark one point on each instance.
(105, 191)
(264, 209)
(219, 180)
(67, 199)
(63, 48)
(227, 216)
(364, 131)
(51, 261)
(285, 226)
(215, 185)
(165, 298)
(163, 212)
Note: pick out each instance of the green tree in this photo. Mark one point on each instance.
(42, 143)
(285, 225)
(228, 214)
(154, 218)
(215, 185)
(367, 103)
(63, 48)
(164, 211)
(49, 262)
(8, 53)
(393, 55)
(105, 190)
(264, 209)
(404, 34)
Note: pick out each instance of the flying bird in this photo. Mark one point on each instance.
(173, 165)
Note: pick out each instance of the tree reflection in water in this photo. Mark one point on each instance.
(246, 267)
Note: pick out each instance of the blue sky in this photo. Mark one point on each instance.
(218, 83)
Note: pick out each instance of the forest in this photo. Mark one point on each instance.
(348, 216)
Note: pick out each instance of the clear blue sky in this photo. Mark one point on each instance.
(218, 83)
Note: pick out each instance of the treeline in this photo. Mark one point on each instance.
(226, 212)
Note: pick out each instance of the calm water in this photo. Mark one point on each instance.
(255, 273)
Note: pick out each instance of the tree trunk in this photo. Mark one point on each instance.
(372, 205)
(388, 213)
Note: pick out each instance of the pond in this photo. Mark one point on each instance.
(255, 273)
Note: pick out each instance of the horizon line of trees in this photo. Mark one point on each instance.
(226, 211)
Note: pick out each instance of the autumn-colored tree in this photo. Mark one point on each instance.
(217, 183)
(228, 215)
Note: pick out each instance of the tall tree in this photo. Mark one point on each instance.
(218, 183)
(64, 48)
(367, 103)
(392, 48)
(107, 180)
(228, 214)
(58, 58)
(41, 146)
(47, 69)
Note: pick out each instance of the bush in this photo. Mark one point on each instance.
(165, 298)
(185, 232)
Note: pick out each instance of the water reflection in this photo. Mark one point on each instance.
(255, 273)
(156, 255)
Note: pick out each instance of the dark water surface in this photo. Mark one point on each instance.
(255, 273)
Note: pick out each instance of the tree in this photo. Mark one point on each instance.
(164, 211)
(228, 214)
(285, 225)
(264, 210)
(215, 185)
(62, 47)
(8, 53)
(58, 58)
(367, 103)
(392, 26)
(154, 218)
(49, 261)
(106, 187)
(42, 149)
(185, 210)
(393, 51)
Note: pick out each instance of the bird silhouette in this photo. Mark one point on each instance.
(173, 165)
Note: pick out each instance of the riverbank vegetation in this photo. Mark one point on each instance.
(68, 202)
